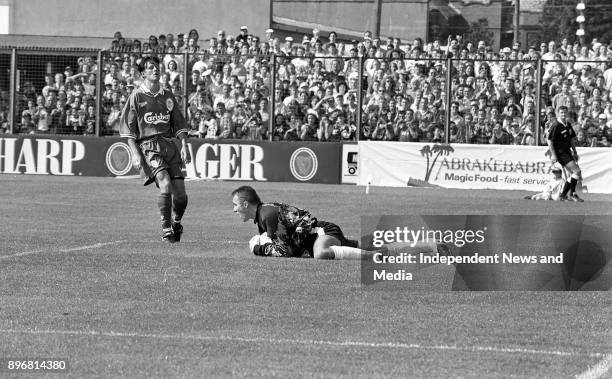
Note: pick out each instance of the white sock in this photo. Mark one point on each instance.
(345, 252)
(425, 247)
(419, 247)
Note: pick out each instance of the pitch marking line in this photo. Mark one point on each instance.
(66, 250)
(599, 370)
(204, 241)
(394, 345)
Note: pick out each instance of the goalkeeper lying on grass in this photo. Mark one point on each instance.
(287, 231)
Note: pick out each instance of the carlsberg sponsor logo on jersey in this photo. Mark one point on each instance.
(156, 118)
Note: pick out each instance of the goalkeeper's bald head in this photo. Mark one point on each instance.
(248, 194)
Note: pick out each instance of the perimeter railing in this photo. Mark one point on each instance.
(318, 98)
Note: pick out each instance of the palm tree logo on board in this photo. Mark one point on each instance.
(428, 152)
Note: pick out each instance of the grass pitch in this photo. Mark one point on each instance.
(84, 276)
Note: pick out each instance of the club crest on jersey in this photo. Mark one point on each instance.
(156, 118)
(170, 104)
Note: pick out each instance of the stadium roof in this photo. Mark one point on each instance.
(291, 25)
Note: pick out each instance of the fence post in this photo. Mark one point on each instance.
(538, 102)
(272, 98)
(99, 94)
(13, 91)
(184, 85)
(447, 101)
(359, 98)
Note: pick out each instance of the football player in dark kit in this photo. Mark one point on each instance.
(561, 137)
(290, 231)
(150, 118)
(287, 231)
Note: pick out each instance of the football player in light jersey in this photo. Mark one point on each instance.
(287, 231)
(553, 188)
(150, 118)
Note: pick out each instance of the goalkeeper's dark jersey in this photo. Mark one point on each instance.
(289, 228)
(292, 230)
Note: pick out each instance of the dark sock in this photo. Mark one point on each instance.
(566, 187)
(164, 202)
(179, 204)
(573, 185)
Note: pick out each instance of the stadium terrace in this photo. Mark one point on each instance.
(323, 89)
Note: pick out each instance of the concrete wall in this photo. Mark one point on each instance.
(406, 19)
(136, 18)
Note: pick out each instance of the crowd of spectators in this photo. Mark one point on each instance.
(495, 100)
(65, 104)
(226, 86)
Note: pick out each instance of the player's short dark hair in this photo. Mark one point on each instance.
(143, 63)
(247, 193)
(563, 108)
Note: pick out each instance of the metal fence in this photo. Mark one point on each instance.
(279, 97)
(316, 99)
(229, 96)
(490, 102)
(48, 91)
(5, 86)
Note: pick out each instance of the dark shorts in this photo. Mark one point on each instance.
(332, 230)
(161, 154)
(564, 157)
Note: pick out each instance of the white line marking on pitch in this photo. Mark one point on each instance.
(395, 345)
(194, 242)
(66, 250)
(599, 370)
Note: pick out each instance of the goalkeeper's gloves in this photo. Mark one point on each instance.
(257, 242)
